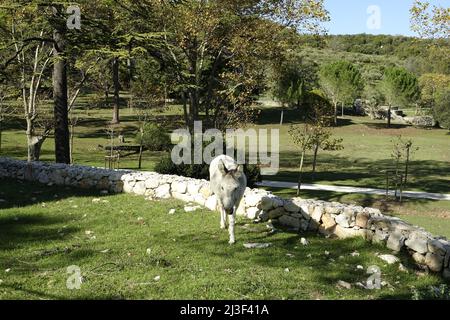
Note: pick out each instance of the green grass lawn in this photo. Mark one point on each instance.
(366, 153)
(121, 243)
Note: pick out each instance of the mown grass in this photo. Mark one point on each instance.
(44, 230)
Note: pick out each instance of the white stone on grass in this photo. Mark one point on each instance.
(389, 258)
(257, 245)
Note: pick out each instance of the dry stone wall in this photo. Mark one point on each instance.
(328, 218)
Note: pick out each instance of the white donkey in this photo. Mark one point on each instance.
(228, 183)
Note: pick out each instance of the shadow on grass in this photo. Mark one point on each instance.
(373, 125)
(291, 116)
(319, 268)
(36, 227)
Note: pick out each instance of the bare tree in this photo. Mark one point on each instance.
(30, 83)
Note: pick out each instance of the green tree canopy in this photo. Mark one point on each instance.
(399, 86)
(341, 82)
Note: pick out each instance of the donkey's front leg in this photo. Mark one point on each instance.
(231, 218)
(223, 218)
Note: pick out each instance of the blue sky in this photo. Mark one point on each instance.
(351, 17)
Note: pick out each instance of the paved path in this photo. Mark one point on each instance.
(306, 186)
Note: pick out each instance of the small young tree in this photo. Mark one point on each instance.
(302, 136)
(322, 139)
(402, 149)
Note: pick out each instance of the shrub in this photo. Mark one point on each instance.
(201, 171)
(154, 138)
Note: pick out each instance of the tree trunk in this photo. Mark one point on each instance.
(1, 130)
(115, 118)
(316, 150)
(62, 145)
(34, 144)
(335, 114)
(300, 173)
(185, 110)
(141, 148)
(72, 132)
(389, 117)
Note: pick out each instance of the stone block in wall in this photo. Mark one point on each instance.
(128, 186)
(376, 222)
(373, 212)
(150, 194)
(328, 221)
(252, 199)
(396, 241)
(211, 203)
(289, 221)
(345, 233)
(267, 203)
(417, 242)
(343, 220)
(277, 202)
(152, 183)
(291, 206)
(241, 210)
(252, 213)
(182, 196)
(264, 216)
(57, 177)
(275, 213)
(198, 198)
(317, 213)
(103, 184)
(434, 261)
(435, 246)
(139, 188)
(362, 218)
(334, 209)
(117, 187)
(418, 258)
(205, 191)
(380, 236)
(85, 183)
(163, 191)
(193, 188)
(447, 260)
(43, 178)
(179, 187)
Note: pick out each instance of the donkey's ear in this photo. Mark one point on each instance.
(222, 168)
(240, 168)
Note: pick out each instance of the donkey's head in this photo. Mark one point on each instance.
(232, 186)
